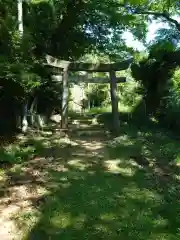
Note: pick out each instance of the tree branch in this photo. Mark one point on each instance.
(157, 14)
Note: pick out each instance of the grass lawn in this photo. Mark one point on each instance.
(89, 185)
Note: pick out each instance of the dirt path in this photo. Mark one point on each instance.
(29, 181)
(77, 187)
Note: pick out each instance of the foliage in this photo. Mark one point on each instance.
(15, 154)
(170, 112)
(68, 30)
(169, 34)
(155, 73)
(48, 97)
(128, 93)
(158, 75)
(162, 10)
(98, 95)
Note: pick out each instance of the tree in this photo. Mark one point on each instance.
(164, 10)
(68, 29)
(155, 73)
(168, 34)
(21, 31)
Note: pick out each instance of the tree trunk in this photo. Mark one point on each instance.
(114, 102)
(24, 123)
(20, 17)
(33, 111)
(24, 118)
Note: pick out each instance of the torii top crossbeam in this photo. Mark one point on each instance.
(88, 67)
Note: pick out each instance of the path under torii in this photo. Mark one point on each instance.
(61, 68)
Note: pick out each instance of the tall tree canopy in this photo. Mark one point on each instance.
(68, 28)
(165, 10)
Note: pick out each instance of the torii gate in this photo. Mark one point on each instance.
(61, 74)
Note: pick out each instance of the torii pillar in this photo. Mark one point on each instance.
(65, 100)
(114, 102)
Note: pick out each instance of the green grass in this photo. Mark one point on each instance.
(128, 188)
(14, 154)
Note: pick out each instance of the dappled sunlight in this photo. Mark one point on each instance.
(132, 191)
(79, 164)
(61, 222)
(101, 212)
(118, 166)
(91, 186)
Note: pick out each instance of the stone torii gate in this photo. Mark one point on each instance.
(60, 69)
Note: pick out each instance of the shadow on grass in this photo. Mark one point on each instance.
(123, 188)
(12, 153)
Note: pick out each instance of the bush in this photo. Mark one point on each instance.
(98, 95)
(14, 153)
(170, 111)
(129, 93)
